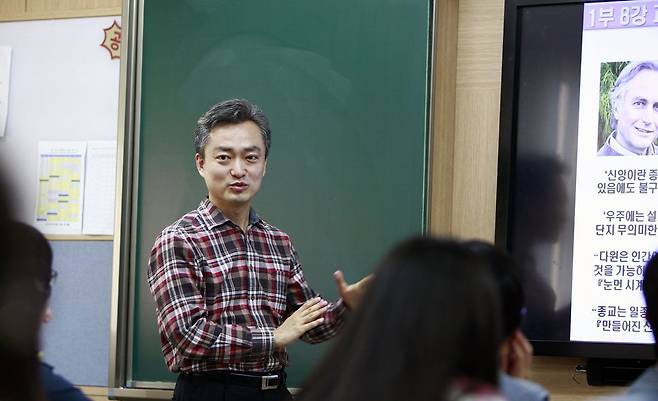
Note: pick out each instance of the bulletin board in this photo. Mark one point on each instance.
(63, 86)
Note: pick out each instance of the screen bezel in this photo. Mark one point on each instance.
(506, 167)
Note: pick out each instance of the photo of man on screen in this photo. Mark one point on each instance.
(633, 114)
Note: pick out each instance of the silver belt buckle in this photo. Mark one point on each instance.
(265, 382)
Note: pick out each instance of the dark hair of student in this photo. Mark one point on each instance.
(650, 290)
(25, 273)
(229, 112)
(505, 271)
(430, 317)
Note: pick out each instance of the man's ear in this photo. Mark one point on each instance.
(200, 163)
(265, 168)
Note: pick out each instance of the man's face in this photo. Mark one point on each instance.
(637, 112)
(233, 164)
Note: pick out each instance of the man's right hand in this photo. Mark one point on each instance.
(307, 317)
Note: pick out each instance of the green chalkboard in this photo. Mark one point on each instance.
(345, 85)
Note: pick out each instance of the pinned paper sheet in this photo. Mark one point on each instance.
(60, 187)
(5, 67)
(98, 215)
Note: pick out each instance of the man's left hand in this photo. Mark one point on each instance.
(352, 293)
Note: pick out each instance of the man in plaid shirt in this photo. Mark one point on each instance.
(229, 289)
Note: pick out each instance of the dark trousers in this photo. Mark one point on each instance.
(202, 388)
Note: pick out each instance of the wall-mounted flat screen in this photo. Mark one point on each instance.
(578, 170)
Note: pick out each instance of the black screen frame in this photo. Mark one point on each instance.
(505, 185)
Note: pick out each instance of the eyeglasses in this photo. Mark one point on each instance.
(53, 277)
(46, 287)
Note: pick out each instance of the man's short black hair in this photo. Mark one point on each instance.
(229, 112)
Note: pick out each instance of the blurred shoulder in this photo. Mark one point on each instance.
(58, 388)
(466, 390)
(516, 389)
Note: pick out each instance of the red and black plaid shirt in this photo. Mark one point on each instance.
(221, 292)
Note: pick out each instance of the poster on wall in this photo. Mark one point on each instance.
(100, 179)
(615, 230)
(60, 187)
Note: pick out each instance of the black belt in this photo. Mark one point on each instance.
(266, 381)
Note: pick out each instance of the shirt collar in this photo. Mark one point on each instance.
(214, 217)
(612, 141)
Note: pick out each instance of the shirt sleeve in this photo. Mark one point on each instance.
(299, 292)
(176, 282)
(58, 388)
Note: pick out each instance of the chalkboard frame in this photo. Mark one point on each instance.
(121, 386)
